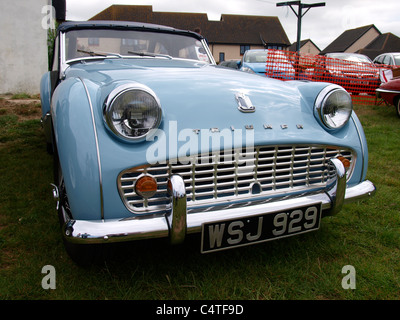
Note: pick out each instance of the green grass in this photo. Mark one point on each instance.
(365, 235)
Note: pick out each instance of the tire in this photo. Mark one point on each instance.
(82, 254)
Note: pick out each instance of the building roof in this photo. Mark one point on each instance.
(231, 29)
(347, 38)
(302, 43)
(386, 42)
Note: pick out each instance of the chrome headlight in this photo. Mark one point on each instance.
(333, 107)
(131, 111)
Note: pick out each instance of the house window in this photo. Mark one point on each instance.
(221, 56)
(275, 47)
(243, 49)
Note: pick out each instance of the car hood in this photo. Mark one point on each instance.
(196, 97)
(193, 86)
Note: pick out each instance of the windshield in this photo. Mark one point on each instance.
(106, 42)
(397, 60)
(264, 56)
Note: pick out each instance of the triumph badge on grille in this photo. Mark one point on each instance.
(244, 103)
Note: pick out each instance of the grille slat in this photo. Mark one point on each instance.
(230, 175)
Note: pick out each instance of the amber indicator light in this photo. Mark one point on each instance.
(146, 186)
(345, 162)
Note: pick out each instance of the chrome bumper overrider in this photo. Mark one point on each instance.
(176, 223)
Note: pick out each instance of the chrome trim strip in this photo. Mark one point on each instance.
(97, 149)
(100, 231)
(363, 148)
(386, 91)
(63, 63)
(206, 47)
(176, 215)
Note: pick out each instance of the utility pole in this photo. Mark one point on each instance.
(299, 15)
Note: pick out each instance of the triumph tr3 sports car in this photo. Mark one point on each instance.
(152, 140)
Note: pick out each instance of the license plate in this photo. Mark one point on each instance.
(233, 233)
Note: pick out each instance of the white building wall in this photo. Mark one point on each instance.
(309, 48)
(23, 46)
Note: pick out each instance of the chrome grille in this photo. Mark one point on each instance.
(239, 174)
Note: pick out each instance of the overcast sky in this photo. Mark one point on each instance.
(321, 24)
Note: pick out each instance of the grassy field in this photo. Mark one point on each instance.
(365, 235)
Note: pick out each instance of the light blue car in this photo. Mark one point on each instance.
(266, 62)
(152, 140)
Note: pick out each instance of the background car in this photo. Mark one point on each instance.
(389, 59)
(390, 92)
(355, 72)
(234, 64)
(267, 62)
(152, 140)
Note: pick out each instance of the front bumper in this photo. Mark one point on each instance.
(176, 223)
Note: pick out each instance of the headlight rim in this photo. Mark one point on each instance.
(319, 104)
(114, 95)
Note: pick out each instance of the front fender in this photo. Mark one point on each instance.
(76, 143)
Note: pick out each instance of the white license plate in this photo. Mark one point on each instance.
(255, 229)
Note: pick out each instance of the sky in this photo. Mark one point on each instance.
(320, 24)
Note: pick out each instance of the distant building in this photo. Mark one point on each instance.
(228, 38)
(367, 40)
(353, 40)
(386, 42)
(306, 47)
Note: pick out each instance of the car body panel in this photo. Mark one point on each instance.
(390, 91)
(76, 147)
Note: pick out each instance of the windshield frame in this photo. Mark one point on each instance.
(65, 63)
